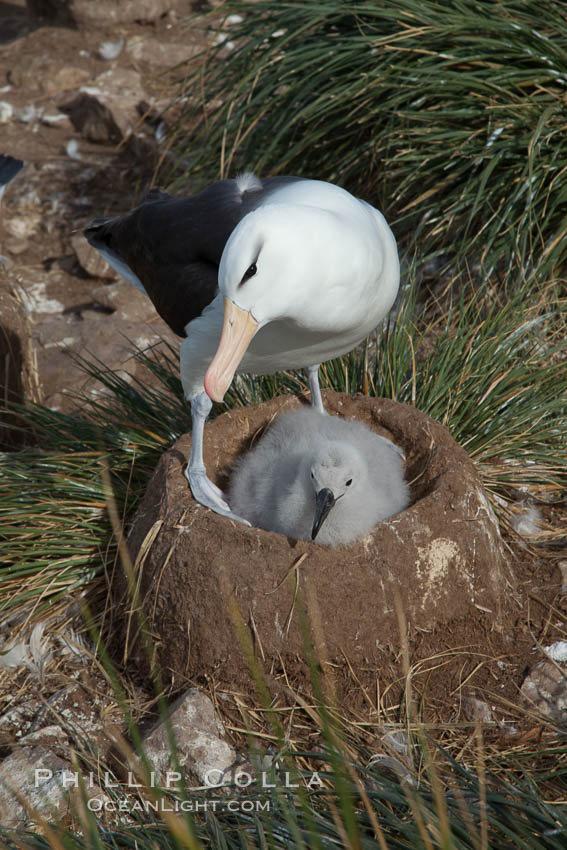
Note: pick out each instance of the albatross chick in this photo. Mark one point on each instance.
(318, 477)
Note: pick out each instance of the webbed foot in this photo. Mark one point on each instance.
(209, 495)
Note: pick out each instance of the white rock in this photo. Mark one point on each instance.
(545, 690)
(477, 709)
(110, 49)
(53, 119)
(18, 773)
(120, 90)
(197, 730)
(72, 149)
(22, 226)
(35, 300)
(222, 38)
(28, 114)
(557, 650)
(51, 736)
(6, 111)
(94, 91)
(151, 52)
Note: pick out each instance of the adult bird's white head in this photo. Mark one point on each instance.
(280, 264)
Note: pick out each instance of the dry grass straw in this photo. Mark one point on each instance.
(313, 733)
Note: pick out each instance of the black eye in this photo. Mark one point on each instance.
(349, 482)
(250, 272)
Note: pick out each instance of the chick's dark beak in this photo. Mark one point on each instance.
(324, 501)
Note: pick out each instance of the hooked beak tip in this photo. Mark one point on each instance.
(239, 327)
(324, 501)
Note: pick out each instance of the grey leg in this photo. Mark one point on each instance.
(315, 389)
(203, 489)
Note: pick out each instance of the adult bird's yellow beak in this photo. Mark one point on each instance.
(238, 328)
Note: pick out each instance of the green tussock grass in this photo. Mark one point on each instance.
(54, 529)
(492, 370)
(450, 116)
(359, 807)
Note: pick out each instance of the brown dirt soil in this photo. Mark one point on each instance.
(50, 308)
(443, 559)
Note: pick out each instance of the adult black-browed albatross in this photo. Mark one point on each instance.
(282, 273)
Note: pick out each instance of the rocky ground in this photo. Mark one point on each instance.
(87, 110)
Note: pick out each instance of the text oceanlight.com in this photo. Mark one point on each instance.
(101, 804)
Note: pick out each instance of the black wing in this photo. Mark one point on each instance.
(9, 167)
(174, 245)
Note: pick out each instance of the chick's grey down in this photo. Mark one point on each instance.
(307, 456)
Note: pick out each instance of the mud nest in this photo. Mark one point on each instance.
(214, 590)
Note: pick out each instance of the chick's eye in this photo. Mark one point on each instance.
(250, 272)
(349, 482)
